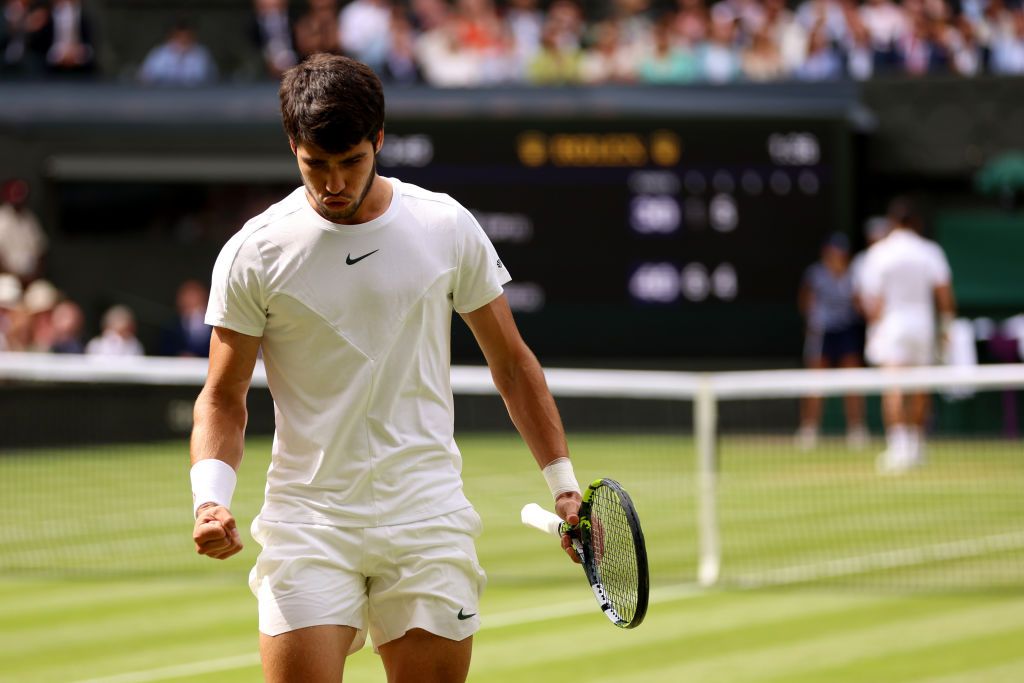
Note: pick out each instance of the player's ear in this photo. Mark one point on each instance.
(291, 143)
(379, 142)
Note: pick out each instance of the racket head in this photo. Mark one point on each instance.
(614, 552)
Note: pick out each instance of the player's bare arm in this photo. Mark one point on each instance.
(520, 381)
(219, 433)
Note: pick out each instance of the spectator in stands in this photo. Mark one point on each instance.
(68, 323)
(364, 30)
(666, 62)
(22, 240)
(567, 24)
(1008, 47)
(10, 302)
(886, 24)
(317, 29)
(558, 61)
(401, 65)
(180, 60)
(187, 334)
(822, 62)
(636, 26)
(692, 21)
(117, 337)
(969, 56)
(788, 34)
(38, 302)
(23, 37)
(719, 57)
(826, 16)
(479, 30)
(762, 60)
(608, 60)
(272, 34)
(832, 336)
(858, 51)
(445, 62)
(69, 35)
(524, 22)
(905, 278)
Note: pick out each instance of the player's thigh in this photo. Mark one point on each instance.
(313, 654)
(423, 657)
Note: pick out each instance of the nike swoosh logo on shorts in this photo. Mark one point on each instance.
(351, 261)
(463, 617)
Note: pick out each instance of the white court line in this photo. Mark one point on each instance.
(516, 618)
(891, 559)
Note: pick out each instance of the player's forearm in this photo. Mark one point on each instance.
(218, 428)
(532, 408)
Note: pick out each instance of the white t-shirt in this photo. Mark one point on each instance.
(356, 328)
(902, 271)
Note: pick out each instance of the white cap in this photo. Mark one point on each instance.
(41, 296)
(10, 290)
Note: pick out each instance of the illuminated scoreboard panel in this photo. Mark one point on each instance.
(643, 237)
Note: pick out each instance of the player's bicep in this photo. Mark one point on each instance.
(497, 335)
(232, 360)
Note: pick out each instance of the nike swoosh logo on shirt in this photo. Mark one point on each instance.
(351, 261)
(463, 617)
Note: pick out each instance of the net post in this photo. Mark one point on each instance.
(705, 408)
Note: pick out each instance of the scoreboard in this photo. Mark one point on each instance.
(647, 237)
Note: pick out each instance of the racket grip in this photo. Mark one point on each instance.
(539, 518)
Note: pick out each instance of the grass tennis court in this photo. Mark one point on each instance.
(150, 611)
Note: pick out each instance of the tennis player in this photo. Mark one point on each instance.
(905, 277)
(348, 285)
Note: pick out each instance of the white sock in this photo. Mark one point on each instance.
(896, 438)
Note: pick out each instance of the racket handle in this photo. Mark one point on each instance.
(539, 518)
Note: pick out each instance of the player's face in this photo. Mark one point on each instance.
(337, 184)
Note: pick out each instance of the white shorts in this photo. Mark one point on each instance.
(387, 579)
(901, 341)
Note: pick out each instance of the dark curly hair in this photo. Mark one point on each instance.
(332, 102)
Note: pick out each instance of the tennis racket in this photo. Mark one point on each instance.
(610, 545)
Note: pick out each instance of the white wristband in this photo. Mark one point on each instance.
(213, 481)
(560, 477)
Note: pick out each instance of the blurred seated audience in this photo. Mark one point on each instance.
(272, 35)
(557, 62)
(69, 35)
(364, 31)
(822, 62)
(10, 302)
(180, 60)
(762, 60)
(38, 302)
(317, 29)
(400, 65)
(23, 38)
(667, 62)
(22, 240)
(469, 43)
(719, 55)
(1008, 47)
(524, 21)
(609, 60)
(67, 323)
(117, 337)
(187, 334)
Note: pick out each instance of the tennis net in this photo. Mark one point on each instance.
(93, 471)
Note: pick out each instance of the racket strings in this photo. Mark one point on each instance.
(614, 551)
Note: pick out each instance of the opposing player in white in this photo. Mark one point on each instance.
(905, 277)
(348, 286)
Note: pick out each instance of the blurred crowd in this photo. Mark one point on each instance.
(461, 43)
(36, 316)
